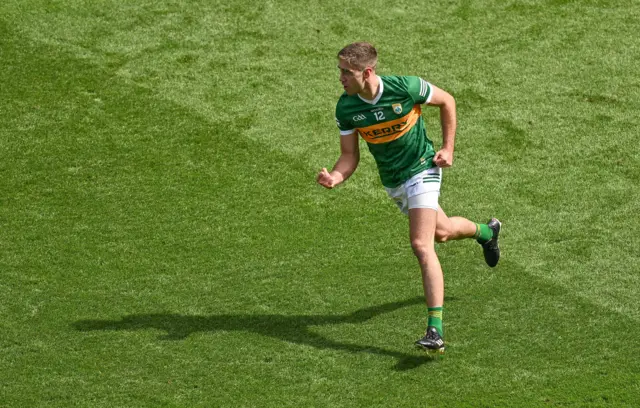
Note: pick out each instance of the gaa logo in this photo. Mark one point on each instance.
(359, 117)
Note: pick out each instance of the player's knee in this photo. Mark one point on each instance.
(422, 249)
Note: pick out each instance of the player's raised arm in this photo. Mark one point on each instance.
(346, 164)
(447, 105)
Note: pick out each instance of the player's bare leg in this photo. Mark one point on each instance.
(454, 228)
(422, 227)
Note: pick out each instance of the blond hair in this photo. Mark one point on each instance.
(360, 55)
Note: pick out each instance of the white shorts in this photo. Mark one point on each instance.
(420, 191)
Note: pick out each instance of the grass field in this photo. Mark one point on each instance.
(163, 243)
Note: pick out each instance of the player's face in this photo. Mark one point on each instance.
(351, 78)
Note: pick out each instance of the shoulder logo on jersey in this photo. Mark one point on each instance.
(359, 117)
(397, 108)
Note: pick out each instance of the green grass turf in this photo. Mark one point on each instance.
(163, 244)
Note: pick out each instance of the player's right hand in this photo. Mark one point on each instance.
(443, 158)
(325, 179)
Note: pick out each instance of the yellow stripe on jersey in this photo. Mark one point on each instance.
(391, 130)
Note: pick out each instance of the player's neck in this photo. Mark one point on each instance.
(371, 88)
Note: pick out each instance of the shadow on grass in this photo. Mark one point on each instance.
(294, 329)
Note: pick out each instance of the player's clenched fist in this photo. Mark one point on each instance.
(443, 158)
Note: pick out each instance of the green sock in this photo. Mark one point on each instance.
(435, 318)
(483, 233)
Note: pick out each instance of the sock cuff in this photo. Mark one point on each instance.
(435, 312)
(483, 233)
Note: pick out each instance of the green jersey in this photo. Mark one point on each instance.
(392, 126)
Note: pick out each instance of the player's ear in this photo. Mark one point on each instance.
(367, 72)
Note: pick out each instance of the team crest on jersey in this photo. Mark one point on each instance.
(397, 108)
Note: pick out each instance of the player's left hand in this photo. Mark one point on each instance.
(443, 158)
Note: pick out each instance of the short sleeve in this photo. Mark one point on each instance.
(419, 89)
(344, 124)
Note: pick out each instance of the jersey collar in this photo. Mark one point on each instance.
(377, 98)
